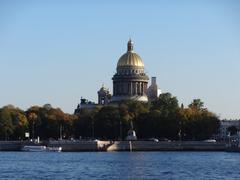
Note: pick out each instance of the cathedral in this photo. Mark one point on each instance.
(130, 82)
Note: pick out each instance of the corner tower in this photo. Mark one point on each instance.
(130, 81)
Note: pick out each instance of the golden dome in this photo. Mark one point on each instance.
(130, 58)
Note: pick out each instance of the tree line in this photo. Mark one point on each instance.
(162, 118)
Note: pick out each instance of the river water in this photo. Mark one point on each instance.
(119, 165)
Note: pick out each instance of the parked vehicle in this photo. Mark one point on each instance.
(34, 148)
(210, 140)
(153, 139)
(164, 139)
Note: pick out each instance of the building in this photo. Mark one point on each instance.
(104, 96)
(224, 125)
(153, 91)
(130, 81)
(84, 104)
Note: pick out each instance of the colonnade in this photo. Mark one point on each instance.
(129, 88)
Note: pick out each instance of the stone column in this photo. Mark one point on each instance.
(129, 88)
(145, 89)
(141, 88)
(121, 88)
(125, 88)
(136, 89)
(114, 88)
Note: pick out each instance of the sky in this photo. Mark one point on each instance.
(59, 51)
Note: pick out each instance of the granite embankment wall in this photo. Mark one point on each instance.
(119, 145)
(165, 146)
(75, 145)
(65, 144)
(10, 145)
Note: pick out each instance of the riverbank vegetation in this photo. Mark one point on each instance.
(162, 118)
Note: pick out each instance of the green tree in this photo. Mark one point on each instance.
(198, 124)
(13, 123)
(32, 116)
(166, 103)
(84, 123)
(107, 122)
(196, 104)
(20, 123)
(168, 122)
(6, 126)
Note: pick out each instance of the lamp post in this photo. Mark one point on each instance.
(229, 142)
(180, 135)
(92, 129)
(120, 130)
(33, 129)
(60, 131)
(238, 139)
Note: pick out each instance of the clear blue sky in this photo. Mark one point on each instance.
(57, 51)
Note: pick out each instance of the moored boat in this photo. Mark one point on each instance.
(54, 149)
(37, 148)
(34, 148)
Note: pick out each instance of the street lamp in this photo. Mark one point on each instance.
(120, 130)
(229, 136)
(33, 129)
(92, 129)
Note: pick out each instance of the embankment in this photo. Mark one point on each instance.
(75, 146)
(166, 146)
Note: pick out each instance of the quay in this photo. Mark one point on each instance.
(81, 145)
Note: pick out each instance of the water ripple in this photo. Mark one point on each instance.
(120, 165)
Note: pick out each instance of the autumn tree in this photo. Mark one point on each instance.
(13, 123)
(107, 122)
(6, 126)
(196, 104)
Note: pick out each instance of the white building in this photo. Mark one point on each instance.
(153, 91)
(225, 124)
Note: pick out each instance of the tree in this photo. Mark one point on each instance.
(160, 118)
(32, 116)
(168, 122)
(196, 104)
(84, 123)
(197, 124)
(13, 123)
(149, 125)
(166, 103)
(20, 123)
(6, 126)
(107, 122)
(135, 109)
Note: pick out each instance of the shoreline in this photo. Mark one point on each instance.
(78, 146)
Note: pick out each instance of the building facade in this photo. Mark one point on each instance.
(224, 125)
(153, 91)
(104, 96)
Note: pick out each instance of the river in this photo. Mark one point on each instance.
(119, 165)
